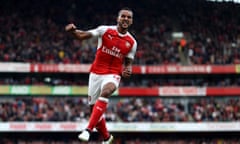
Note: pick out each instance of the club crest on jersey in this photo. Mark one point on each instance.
(127, 44)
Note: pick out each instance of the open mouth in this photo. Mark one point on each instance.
(125, 24)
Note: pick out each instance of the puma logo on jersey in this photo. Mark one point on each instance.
(109, 36)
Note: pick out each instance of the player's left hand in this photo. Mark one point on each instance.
(126, 73)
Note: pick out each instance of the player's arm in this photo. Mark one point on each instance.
(128, 61)
(78, 34)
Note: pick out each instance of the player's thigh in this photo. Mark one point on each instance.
(94, 88)
(110, 83)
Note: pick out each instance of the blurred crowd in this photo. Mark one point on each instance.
(122, 109)
(175, 110)
(41, 109)
(47, 109)
(30, 33)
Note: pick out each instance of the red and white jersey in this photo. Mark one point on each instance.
(112, 48)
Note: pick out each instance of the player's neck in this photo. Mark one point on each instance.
(121, 30)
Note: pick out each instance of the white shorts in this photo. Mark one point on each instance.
(96, 83)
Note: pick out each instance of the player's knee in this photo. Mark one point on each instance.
(106, 93)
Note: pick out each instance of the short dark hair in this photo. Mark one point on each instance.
(125, 8)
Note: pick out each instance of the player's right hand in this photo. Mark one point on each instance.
(70, 27)
(126, 73)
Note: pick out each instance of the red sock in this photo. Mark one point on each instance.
(98, 110)
(102, 128)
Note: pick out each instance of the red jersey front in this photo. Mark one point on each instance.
(112, 48)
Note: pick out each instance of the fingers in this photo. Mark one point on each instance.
(70, 27)
(126, 73)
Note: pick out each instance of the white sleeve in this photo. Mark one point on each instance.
(131, 54)
(98, 31)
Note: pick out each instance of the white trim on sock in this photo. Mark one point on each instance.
(103, 99)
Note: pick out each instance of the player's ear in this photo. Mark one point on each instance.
(117, 19)
(131, 22)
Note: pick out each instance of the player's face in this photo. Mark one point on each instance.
(125, 18)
